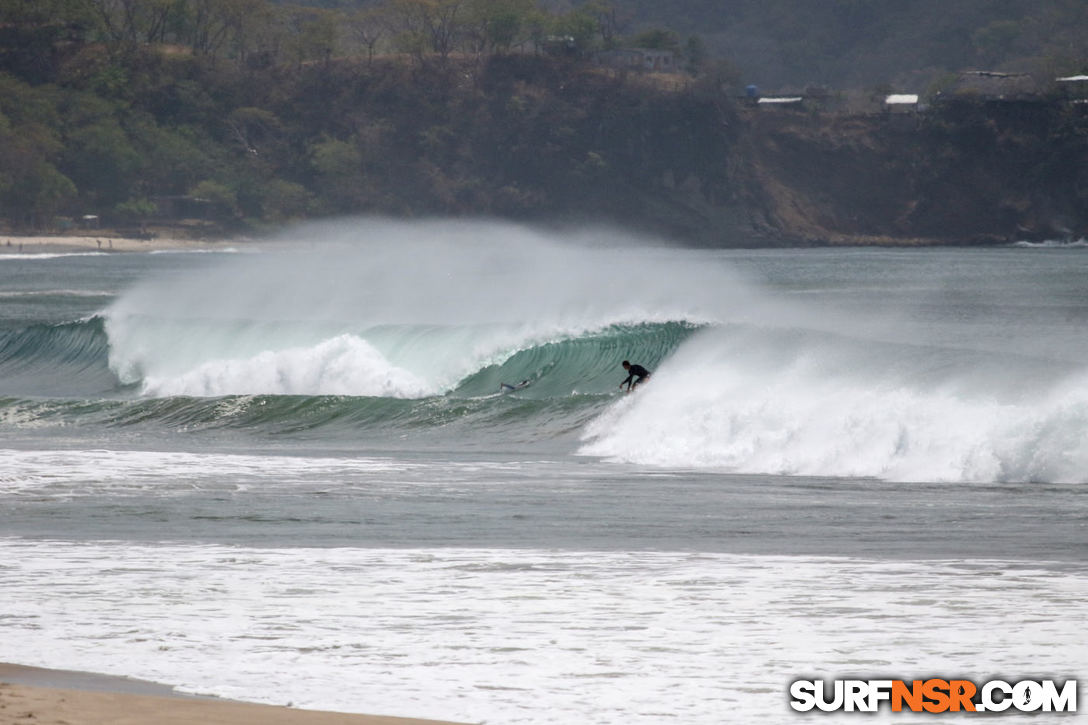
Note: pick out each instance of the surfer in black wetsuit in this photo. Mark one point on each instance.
(635, 373)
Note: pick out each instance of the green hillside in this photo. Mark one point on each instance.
(854, 43)
(850, 43)
(227, 115)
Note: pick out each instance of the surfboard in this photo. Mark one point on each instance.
(508, 388)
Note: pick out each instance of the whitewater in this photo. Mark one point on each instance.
(290, 474)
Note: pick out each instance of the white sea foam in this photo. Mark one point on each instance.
(1053, 244)
(529, 636)
(218, 250)
(60, 475)
(26, 415)
(49, 255)
(67, 473)
(827, 408)
(55, 293)
(343, 365)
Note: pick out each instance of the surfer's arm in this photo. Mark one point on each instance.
(627, 382)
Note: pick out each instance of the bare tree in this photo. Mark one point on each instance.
(208, 25)
(156, 18)
(369, 27)
(312, 34)
(117, 19)
(496, 25)
(429, 25)
(611, 20)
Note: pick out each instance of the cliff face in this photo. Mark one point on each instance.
(527, 138)
(960, 174)
(694, 166)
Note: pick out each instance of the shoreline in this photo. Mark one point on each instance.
(52, 697)
(107, 243)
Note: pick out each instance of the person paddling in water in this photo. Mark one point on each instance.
(635, 373)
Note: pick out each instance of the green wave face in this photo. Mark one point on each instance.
(586, 365)
(570, 381)
(63, 359)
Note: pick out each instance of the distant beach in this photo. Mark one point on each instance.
(52, 697)
(50, 244)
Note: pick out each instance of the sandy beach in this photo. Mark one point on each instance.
(57, 697)
(105, 243)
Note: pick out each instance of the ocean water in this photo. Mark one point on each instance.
(287, 473)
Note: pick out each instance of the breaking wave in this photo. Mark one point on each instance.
(409, 333)
(800, 403)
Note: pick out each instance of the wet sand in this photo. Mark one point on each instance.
(58, 697)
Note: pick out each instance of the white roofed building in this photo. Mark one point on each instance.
(647, 59)
(901, 102)
(780, 101)
(1074, 89)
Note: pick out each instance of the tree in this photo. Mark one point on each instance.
(578, 25)
(496, 25)
(31, 29)
(158, 18)
(657, 39)
(32, 190)
(102, 161)
(313, 35)
(207, 24)
(252, 127)
(117, 21)
(37, 12)
(335, 159)
(249, 28)
(429, 25)
(218, 193)
(610, 20)
(338, 168)
(128, 23)
(369, 27)
(695, 54)
(283, 201)
(135, 210)
(172, 160)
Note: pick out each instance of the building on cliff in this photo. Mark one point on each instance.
(647, 59)
(1074, 89)
(901, 103)
(780, 102)
(993, 87)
